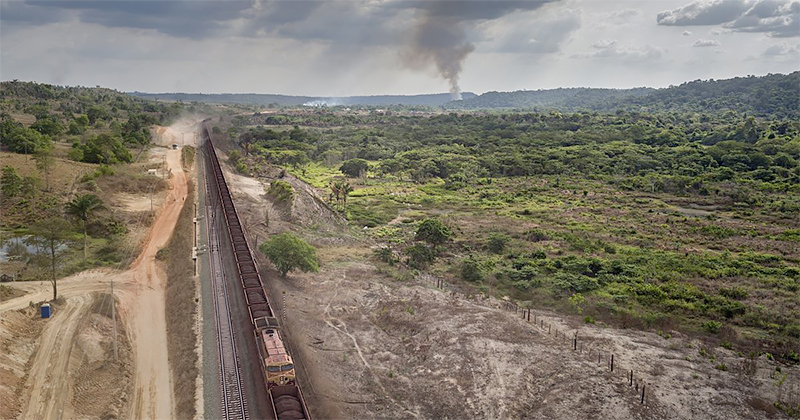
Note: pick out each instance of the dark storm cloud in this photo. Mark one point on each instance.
(437, 34)
(776, 18)
(464, 10)
(190, 19)
(18, 12)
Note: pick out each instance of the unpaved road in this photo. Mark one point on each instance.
(142, 303)
(145, 309)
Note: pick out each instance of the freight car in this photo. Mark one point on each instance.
(277, 366)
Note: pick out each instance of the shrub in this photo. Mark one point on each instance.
(471, 270)
(281, 191)
(712, 326)
(419, 256)
(721, 366)
(735, 292)
(433, 231)
(288, 252)
(385, 254)
(354, 168)
(497, 243)
(536, 235)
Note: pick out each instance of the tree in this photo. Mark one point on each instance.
(10, 182)
(44, 163)
(354, 168)
(433, 232)
(288, 252)
(497, 242)
(341, 189)
(345, 189)
(52, 234)
(82, 208)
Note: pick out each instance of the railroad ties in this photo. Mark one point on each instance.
(287, 400)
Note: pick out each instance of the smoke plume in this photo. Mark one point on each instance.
(440, 40)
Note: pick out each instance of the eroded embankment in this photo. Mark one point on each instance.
(181, 311)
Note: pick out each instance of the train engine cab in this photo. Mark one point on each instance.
(276, 363)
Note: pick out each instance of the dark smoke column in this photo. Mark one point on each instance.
(440, 39)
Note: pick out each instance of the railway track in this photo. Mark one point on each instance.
(283, 392)
(232, 400)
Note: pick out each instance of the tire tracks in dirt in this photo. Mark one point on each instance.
(47, 378)
(141, 294)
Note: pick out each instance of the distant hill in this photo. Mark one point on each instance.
(437, 99)
(565, 99)
(773, 95)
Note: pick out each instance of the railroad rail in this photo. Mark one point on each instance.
(232, 400)
(286, 398)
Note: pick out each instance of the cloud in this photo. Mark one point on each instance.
(706, 43)
(610, 49)
(776, 18)
(703, 12)
(531, 32)
(687, 33)
(782, 49)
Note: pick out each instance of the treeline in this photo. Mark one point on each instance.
(99, 123)
(670, 153)
(773, 96)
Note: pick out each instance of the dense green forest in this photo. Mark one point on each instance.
(773, 95)
(100, 124)
(658, 220)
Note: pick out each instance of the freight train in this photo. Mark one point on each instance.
(277, 366)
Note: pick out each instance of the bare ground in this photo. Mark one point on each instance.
(47, 362)
(369, 345)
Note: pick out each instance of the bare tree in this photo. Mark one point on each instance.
(52, 234)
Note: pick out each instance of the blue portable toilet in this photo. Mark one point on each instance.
(45, 310)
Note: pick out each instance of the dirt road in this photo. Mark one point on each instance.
(140, 291)
(145, 308)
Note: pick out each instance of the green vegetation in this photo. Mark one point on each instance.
(64, 150)
(82, 208)
(288, 252)
(771, 95)
(667, 220)
(354, 168)
(281, 191)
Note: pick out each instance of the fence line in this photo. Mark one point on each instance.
(636, 384)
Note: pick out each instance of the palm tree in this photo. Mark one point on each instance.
(336, 191)
(82, 208)
(345, 189)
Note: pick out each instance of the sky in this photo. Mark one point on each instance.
(375, 47)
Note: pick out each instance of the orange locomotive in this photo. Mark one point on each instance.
(275, 361)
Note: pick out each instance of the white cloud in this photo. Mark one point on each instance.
(610, 49)
(776, 18)
(706, 43)
(782, 49)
